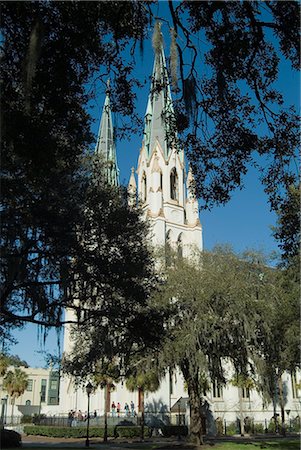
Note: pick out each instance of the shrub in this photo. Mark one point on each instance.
(67, 432)
(10, 438)
(174, 430)
(219, 427)
(258, 428)
(231, 429)
(26, 419)
(130, 431)
(295, 425)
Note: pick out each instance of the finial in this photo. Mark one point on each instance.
(108, 86)
(133, 170)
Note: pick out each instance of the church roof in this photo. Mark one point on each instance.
(159, 116)
(105, 146)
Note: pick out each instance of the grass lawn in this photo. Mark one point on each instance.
(283, 444)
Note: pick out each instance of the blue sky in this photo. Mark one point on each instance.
(245, 222)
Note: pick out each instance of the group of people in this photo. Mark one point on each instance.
(78, 416)
(129, 410)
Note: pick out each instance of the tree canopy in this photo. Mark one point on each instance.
(222, 310)
(228, 112)
(49, 53)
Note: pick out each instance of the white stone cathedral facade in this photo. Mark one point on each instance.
(165, 191)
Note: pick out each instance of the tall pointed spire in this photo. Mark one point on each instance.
(159, 116)
(105, 146)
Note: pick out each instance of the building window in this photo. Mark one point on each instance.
(217, 390)
(168, 248)
(29, 385)
(161, 181)
(245, 392)
(144, 188)
(43, 390)
(174, 184)
(53, 401)
(180, 246)
(53, 385)
(294, 386)
(28, 403)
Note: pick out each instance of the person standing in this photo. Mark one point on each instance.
(132, 409)
(113, 408)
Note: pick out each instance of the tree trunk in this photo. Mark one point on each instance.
(141, 409)
(12, 410)
(196, 429)
(242, 423)
(281, 402)
(105, 433)
(191, 375)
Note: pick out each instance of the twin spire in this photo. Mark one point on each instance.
(159, 120)
(105, 145)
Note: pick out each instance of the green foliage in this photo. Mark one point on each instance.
(15, 382)
(27, 419)
(67, 432)
(287, 231)
(44, 181)
(147, 381)
(258, 428)
(131, 432)
(231, 429)
(81, 432)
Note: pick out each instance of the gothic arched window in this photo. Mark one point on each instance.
(180, 246)
(28, 403)
(168, 248)
(143, 188)
(174, 195)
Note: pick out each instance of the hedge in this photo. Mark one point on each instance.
(66, 432)
(81, 432)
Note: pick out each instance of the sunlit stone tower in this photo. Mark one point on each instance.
(164, 190)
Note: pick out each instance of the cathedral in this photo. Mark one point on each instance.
(165, 190)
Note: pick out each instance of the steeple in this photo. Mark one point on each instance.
(105, 146)
(159, 116)
(132, 190)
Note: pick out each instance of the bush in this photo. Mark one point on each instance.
(219, 427)
(295, 425)
(175, 430)
(231, 429)
(67, 432)
(26, 419)
(130, 431)
(10, 438)
(258, 428)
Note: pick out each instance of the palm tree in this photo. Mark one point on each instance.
(143, 382)
(4, 363)
(15, 383)
(105, 376)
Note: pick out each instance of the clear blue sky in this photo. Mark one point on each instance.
(245, 222)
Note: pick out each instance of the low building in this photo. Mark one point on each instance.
(40, 396)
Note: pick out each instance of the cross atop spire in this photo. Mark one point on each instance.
(159, 116)
(105, 146)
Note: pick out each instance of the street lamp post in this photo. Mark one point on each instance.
(89, 388)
